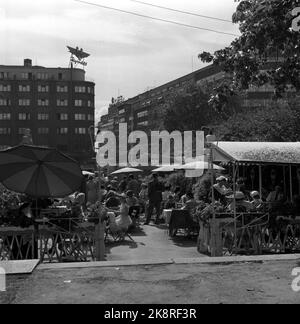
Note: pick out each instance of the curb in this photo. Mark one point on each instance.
(200, 261)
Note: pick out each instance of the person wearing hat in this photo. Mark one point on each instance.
(133, 185)
(256, 202)
(220, 189)
(240, 204)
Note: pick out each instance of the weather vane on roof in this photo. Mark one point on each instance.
(78, 56)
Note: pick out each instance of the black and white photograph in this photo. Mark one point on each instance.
(149, 155)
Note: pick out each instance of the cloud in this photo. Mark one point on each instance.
(128, 53)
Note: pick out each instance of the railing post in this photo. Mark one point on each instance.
(100, 227)
(99, 241)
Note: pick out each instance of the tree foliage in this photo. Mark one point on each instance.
(189, 111)
(192, 111)
(279, 123)
(265, 27)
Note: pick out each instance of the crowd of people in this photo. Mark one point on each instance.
(123, 200)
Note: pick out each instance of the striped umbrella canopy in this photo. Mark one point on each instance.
(39, 172)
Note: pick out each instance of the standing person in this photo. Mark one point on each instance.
(123, 185)
(143, 197)
(133, 185)
(155, 198)
(91, 189)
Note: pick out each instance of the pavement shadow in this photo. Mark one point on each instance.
(184, 242)
(110, 245)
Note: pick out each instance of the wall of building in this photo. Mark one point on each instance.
(56, 104)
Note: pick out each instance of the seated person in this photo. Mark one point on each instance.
(78, 205)
(131, 199)
(190, 204)
(256, 203)
(221, 189)
(240, 203)
(166, 193)
(112, 201)
(177, 194)
(184, 199)
(276, 196)
(123, 221)
(170, 203)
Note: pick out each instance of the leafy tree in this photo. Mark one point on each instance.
(279, 123)
(266, 31)
(192, 111)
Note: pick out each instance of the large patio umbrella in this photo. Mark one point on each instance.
(126, 170)
(39, 172)
(165, 169)
(198, 165)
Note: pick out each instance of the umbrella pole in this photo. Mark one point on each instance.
(235, 168)
(99, 228)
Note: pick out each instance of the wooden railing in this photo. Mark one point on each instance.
(249, 234)
(73, 242)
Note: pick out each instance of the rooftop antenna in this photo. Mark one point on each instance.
(78, 57)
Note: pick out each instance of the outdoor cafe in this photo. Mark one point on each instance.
(41, 204)
(273, 229)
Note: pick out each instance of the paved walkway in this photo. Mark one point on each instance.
(153, 242)
(263, 282)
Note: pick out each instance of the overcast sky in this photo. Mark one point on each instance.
(128, 54)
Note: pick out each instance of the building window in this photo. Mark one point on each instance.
(24, 102)
(79, 89)
(122, 111)
(142, 114)
(62, 102)
(4, 131)
(24, 116)
(43, 102)
(80, 131)
(91, 117)
(62, 116)
(90, 90)
(43, 88)
(5, 88)
(4, 75)
(5, 116)
(5, 102)
(24, 88)
(62, 131)
(79, 116)
(122, 120)
(43, 116)
(145, 123)
(90, 103)
(25, 76)
(22, 131)
(43, 131)
(78, 103)
(42, 76)
(62, 89)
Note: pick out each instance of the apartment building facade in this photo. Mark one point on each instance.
(146, 111)
(56, 104)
